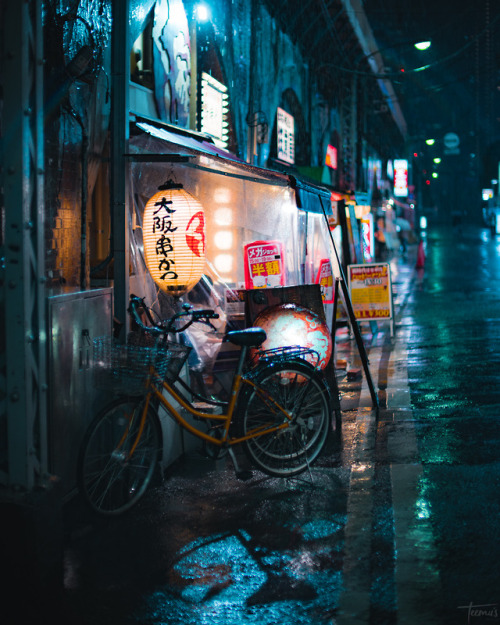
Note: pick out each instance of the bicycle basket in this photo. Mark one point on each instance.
(124, 368)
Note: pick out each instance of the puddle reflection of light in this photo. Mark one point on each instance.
(227, 579)
(423, 509)
(319, 529)
(360, 468)
(222, 565)
(422, 504)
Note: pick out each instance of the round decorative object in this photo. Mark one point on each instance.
(289, 325)
(174, 240)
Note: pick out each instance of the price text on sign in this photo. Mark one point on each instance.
(264, 265)
(371, 291)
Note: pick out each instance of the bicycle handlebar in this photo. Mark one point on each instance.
(169, 327)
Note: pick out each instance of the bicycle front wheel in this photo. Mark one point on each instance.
(302, 392)
(118, 456)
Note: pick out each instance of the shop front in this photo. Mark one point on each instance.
(255, 229)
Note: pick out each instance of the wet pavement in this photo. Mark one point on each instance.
(399, 521)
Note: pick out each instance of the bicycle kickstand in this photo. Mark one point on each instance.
(241, 474)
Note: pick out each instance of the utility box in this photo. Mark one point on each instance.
(75, 318)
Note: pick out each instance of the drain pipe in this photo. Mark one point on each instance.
(84, 270)
(84, 257)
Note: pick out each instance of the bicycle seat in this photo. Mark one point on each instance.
(249, 337)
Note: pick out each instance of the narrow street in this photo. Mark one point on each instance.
(399, 523)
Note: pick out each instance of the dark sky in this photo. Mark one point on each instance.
(458, 89)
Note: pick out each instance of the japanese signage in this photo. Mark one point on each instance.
(214, 109)
(401, 177)
(264, 266)
(333, 219)
(367, 237)
(324, 278)
(174, 240)
(286, 136)
(331, 157)
(371, 291)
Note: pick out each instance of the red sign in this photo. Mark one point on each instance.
(331, 157)
(401, 177)
(264, 264)
(325, 280)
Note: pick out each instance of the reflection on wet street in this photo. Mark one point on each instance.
(398, 522)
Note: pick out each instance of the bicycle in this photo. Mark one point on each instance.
(279, 409)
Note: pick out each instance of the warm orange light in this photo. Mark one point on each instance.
(174, 239)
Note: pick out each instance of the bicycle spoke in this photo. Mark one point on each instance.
(301, 393)
(111, 478)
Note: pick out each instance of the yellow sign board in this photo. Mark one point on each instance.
(370, 289)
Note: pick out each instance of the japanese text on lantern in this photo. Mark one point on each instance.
(162, 223)
(264, 264)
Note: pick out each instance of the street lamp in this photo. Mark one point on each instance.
(201, 12)
(422, 45)
(377, 64)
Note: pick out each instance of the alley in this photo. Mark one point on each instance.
(399, 521)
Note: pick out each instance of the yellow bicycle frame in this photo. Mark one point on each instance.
(238, 381)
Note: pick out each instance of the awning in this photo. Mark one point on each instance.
(207, 156)
(312, 198)
(196, 147)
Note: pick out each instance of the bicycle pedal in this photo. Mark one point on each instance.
(244, 475)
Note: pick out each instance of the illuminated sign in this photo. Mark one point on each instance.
(371, 291)
(174, 240)
(325, 280)
(286, 136)
(368, 238)
(331, 157)
(264, 266)
(214, 110)
(400, 177)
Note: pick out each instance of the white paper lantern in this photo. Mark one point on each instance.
(174, 239)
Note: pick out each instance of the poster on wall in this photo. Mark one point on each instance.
(324, 278)
(264, 264)
(371, 291)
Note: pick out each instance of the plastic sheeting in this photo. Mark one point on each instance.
(242, 204)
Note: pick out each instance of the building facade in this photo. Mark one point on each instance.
(98, 100)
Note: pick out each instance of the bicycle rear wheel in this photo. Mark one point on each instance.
(303, 393)
(116, 461)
